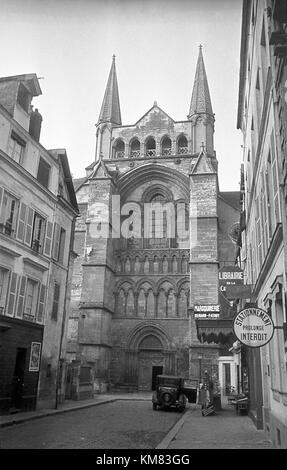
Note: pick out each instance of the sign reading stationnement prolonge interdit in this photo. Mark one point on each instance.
(253, 327)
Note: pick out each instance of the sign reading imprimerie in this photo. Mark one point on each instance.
(253, 327)
(206, 311)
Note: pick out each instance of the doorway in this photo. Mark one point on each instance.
(18, 378)
(156, 370)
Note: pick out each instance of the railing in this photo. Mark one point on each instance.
(182, 150)
(135, 153)
(120, 154)
(6, 228)
(150, 153)
(166, 151)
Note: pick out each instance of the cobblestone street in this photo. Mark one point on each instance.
(117, 425)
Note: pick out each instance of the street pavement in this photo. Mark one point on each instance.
(224, 430)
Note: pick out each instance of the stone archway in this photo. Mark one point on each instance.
(150, 357)
(148, 348)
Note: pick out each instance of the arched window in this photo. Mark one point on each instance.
(141, 303)
(174, 264)
(128, 266)
(121, 303)
(150, 147)
(166, 146)
(165, 265)
(182, 304)
(137, 265)
(184, 265)
(171, 304)
(119, 149)
(130, 304)
(155, 265)
(150, 304)
(135, 149)
(182, 146)
(146, 265)
(161, 304)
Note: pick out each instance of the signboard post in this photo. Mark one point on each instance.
(253, 327)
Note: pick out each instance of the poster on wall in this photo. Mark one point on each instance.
(35, 357)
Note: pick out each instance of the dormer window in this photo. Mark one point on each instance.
(16, 148)
(150, 147)
(43, 172)
(166, 147)
(182, 147)
(23, 97)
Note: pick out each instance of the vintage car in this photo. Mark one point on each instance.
(171, 393)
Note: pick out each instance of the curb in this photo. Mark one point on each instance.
(173, 432)
(44, 414)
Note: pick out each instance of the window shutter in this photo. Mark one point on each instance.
(1, 195)
(21, 221)
(29, 227)
(21, 297)
(56, 242)
(41, 304)
(12, 295)
(48, 239)
(54, 314)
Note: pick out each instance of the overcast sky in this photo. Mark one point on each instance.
(70, 43)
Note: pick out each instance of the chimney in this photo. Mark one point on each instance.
(35, 124)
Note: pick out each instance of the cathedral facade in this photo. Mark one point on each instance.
(153, 231)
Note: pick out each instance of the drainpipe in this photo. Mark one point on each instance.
(64, 311)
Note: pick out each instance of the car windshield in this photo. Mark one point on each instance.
(168, 382)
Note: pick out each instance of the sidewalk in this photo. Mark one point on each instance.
(224, 430)
(70, 405)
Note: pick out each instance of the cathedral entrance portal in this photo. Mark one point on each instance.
(151, 358)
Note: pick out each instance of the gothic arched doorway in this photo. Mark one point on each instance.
(150, 362)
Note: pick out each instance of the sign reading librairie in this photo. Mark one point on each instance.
(206, 311)
(253, 327)
(229, 276)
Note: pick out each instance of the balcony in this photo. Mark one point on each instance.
(120, 154)
(150, 153)
(6, 228)
(135, 154)
(182, 150)
(166, 152)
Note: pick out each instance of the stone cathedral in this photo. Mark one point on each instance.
(136, 278)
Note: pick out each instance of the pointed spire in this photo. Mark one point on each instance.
(200, 100)
(110, 110)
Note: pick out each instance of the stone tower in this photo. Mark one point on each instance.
(147, 240)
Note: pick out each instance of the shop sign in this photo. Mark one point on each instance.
(206, 311)
(229, 276)
(253, 327)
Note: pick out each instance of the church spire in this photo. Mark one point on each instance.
(110, 110)
(200, 100)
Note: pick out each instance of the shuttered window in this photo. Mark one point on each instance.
(48, 239)
(21, 222)
(55, 308)
(21, 297)
(41, 304)
(56, 241)
(12, 295)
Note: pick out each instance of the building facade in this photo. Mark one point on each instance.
(262, 119)
(153, 231)
(37, 216)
